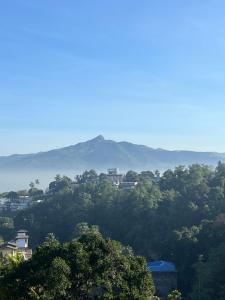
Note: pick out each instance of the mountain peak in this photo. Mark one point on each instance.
(98, 138)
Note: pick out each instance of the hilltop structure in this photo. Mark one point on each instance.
(114, 176)
(19, 203)
(18, 245)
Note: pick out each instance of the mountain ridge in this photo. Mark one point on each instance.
(100, 153)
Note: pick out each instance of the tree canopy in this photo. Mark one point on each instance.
(177, 216)
(88, 267)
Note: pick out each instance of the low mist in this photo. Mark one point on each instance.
(14, 180)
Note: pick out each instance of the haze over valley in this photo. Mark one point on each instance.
(16, 171)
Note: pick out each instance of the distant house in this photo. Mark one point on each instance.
(3, 202)
(165, 277)
(18, 245)
(114, 176)
(126, 185)
(118, 179)
(22, 202)
(8, 248)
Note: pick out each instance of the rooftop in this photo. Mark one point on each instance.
(161, 266)
(22, 231)
(9, 245)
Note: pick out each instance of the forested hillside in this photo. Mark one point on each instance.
(89, 267)
(179, 217)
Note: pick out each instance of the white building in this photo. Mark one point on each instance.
(128, 185)
(18, 245)
(114, 176)
(21, 239)
(20, 203)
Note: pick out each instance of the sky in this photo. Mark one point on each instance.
(148, 72)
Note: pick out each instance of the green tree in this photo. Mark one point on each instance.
(60, 185)
(6, 227)
(131, 176)
(57, 282)
(88, 177)
(210, 279)
(174, 295)
(182, 211)
(89, 267)
(12, 195)
(34, 192)
(31, 185)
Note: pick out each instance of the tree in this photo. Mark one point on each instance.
(88, 177)
(34, 192)
(210, 279)
(89, 267)
(146, 176)
(174, 295)
(57, 283)
(12, 195)
(61, 184)
(37, 181)
(131, 176)
(84, 228)
(182, 211)
(6, 227)
(14, 261)
(58, 177)
(31, 185)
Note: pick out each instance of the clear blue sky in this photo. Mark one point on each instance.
(150, 72)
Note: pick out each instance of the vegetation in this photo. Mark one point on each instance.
(174, 295)
(178, 216)
(89, 267)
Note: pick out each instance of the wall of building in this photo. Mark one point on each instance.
(164, 283)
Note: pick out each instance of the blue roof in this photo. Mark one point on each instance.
(161, 266)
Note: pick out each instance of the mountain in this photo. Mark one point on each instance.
(101, 154)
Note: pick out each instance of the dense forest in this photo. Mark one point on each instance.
(177, 216)
(88, 267)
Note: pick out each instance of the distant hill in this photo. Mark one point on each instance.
(101, 154)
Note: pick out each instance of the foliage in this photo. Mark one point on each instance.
(174, 295)
(210, 277)
(177, 216)
(89, 267)
(60, 185)
(131, 176)
(12, 195)
(6, 227)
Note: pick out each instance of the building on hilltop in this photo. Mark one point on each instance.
(118, 179)
(165, 277)
(22, 202)
(3, 202)
(18, 245)
(114, 176)
(128, 185)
